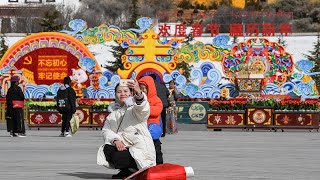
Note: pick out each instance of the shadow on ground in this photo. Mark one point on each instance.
(89, 175)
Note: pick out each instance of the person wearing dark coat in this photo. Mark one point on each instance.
(66, 116)
(163, 94)
(14, 116)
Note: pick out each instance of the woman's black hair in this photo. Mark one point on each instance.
(174, 83)
(67, 80)
(115, 89)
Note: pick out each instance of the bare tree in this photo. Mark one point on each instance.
(150, 8)
(67, 14)
(118, 12)
(103, 11)
(3, 45)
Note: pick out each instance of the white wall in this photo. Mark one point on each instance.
(71, 3)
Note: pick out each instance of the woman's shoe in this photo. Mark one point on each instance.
(122, 174)
(22, 135)
(13, 134)
(68, 134)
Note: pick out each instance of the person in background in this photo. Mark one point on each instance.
(67, 91)
(147, 85)
(128, 145)
(172, 113)
(162, 93)
(15, 115)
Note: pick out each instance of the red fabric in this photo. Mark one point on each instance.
(17, 104)
(153, 99)
(163, 172)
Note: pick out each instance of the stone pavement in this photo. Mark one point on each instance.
(219, 155)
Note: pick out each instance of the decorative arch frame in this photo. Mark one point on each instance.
(149, 67)
(45, 40)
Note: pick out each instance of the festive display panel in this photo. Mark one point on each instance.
(259, 117)
(217, 68)
(264, 118)
(98, 118)
(220, 69)
(91, 112)
(225, 119)
(268, 112)
(53, 118)
(84, 115)
(42, 60)
(267, 60)
(46, 66)
(192, 112)
(44, 118)
(296, 119)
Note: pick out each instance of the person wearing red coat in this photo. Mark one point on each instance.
(148, 87)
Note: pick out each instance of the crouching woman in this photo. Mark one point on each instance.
(128, 145)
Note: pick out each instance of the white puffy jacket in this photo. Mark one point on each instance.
(133, 132)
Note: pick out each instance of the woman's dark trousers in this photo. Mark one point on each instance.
(120, 159)
(157, 145)
(18, 121)
(66, 117)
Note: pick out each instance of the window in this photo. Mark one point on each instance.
(13, 0)
(51, 0)
(33, 1)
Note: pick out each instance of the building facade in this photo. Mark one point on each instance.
(24, 16)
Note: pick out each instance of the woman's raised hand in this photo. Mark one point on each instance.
(135, 86)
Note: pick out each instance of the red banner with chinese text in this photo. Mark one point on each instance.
(47, 65)
(53, 67)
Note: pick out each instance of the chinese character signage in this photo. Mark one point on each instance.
(236, 23)
(52, 67)
(235, 29)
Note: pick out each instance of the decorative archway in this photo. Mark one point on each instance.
(45, 40)
(45, 59)
(151, 67)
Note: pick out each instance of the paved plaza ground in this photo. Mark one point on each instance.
(226, 155)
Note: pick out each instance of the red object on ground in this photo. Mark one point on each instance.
(163, 172)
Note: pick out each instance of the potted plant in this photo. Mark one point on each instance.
(226, 113)
(85, 102)
(236, 104)
(42, 105)
(261, 102)
(298, 114)
(298, 105)
(100, 105)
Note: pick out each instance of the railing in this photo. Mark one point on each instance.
(2, 111)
